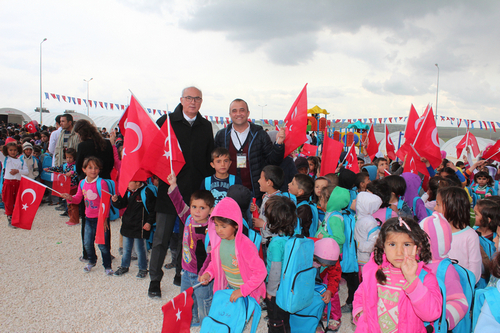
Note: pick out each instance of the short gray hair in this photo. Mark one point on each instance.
(182, 94)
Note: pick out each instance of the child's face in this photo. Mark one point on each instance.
(395, 245)
(303, 170)
(265, 185)
(319, 184)
(92, 170)
(69, 158)
(28, 152)
(200, 210)
(12, 151)
(496, 240)
(133, 186)
(36, 153)
(221, 164)
(224, 230)
(482, 181)
(45, 138)
(439, 205)
(364, 183)
(312, 166)
(322, 202)
(382, 165)
(360, 164)
(293, 188)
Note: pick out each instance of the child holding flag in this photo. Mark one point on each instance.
(88, 190)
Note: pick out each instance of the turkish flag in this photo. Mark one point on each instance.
(427, 140)
(29, 197)
(121, 122)
(164, 149)
(140, 134)
(468, 140)
(493, 152)
(31, 126)
(410, 133)
(296, 123)
(371, 145)
(331, 154)
(413, 163)
(389, 145)
(177, 313)
(352, 160)
(61, 184)
(103, 215)
(309, 150)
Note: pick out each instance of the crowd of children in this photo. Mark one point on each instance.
(403, 244)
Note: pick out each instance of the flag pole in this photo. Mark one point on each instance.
(494, 154)
(170, 145)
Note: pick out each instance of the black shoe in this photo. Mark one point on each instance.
(82, 259)
(177, 280)
(133, 257)
(347, 308)
(9, 218)
(121, 270)
(154, 289)
(64, 214)
(142, 274)
(169, 266)
(60, 208)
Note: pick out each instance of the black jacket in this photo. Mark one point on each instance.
(135, 215)
(261, 152)
(197, 144)
(87, 149)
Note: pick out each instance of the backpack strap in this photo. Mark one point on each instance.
(415, 204)
(232, 180)
(372, 231)
(257, 312)
(388, 213)
(207, 183)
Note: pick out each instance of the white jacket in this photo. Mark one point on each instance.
(366, 204)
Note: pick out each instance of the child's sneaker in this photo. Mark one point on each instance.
(347, 308)
(71, 223)
(334, 325)
(121, 270)
(83, 259)
(142, 274)
(88, 268)
(109, 271)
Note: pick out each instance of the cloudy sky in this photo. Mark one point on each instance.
(360, 58)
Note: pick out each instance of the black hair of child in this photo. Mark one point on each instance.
(305, 183)
(93, 159)
(382, 190)
(456, 206)
(275, 174)
(360, 177)
(495, 265)
(218, 152)
(204, 195)
(227, 221)
(433, 186)
(490, 213)
(397, 184)
(5, 148)
(316, 161)
(71, 152)
(281, 215)
(484, 174)
(416, 233)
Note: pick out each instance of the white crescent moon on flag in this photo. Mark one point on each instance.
(103, 207)
(435, 138)
(134, 127)
(166, 140)
(29, 190)
(417, 122)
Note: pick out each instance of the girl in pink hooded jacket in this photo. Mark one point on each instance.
(392, 298)
(235, 261)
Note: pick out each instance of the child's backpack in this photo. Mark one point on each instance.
(46, 163)
(491, 295)
(153, 189)
(467, 281)
(296, 288)
(208, 181)
(308, 319)
(114, 212)
(231, 317)
(349, 262)
(314, 209)
(254, 236)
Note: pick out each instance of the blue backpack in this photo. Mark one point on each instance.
(314, 209)
(467, 281)
(296, 288)
(46, 163)
(218, 195)
(349, 262)
(231, 317)
(308, 319)
(491, 295)
(153, 189)
(253, 235)
(114, 213)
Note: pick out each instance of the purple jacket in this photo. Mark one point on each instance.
(413, 183)
(252, 268)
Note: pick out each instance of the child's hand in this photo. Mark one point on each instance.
(235, 295)
(66, 196)
(426, 161)
(46, 169)
(253, 207)
(114, 198)
(68, 174)
(327, 296)
(268, 296)
(106, 225)
(14, 171)
(172, 180)
(258, 222)
(147, 226)
(320, 236)
(409, 265)
(204, 279)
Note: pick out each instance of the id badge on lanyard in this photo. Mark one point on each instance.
(241, 160)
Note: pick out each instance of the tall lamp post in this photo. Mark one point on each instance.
(88, 93)
(437, 92)
(41, 79)
(262, 106)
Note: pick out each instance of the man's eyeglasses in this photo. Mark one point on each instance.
(190, 99)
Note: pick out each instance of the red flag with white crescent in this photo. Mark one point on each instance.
(352, 160)
(427, 140)
(410, 133)
(389, 145)
(31, 126)
(103, 215)
(296, 123)
(177, 313)
(371, 145)
(29, 197)
(61, 183)
(468, 140)
(330, 156)
(493, 153)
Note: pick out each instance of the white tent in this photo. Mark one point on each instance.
(49, 119)
(11, 115)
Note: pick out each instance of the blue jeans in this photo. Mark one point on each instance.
(202, 295)
(140, 248)
(88, 242)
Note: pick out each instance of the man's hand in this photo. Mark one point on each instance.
(147, 226)
(280, 138)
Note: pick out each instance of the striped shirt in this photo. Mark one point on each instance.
(230, 263)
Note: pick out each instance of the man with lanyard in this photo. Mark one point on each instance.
(67, 139)
(249, 146)
(195, 136)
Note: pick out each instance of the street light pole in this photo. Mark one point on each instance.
(262, 106)
(41, 79)
(88, 94)
(437, 92)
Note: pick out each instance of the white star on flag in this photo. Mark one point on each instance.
(178, 314)
(167, 154)
(25, 206)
